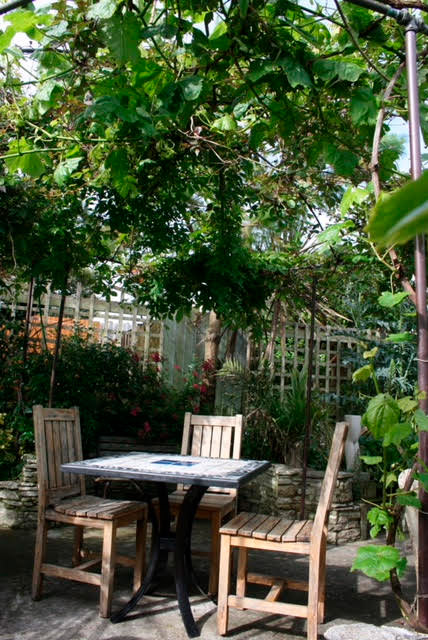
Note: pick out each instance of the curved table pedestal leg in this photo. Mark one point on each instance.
(182, 556)
(158, 554)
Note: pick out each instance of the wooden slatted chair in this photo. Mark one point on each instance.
(213, 437)
(62, 499)
(269, 533)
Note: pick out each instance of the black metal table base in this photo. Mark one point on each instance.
(163, 542)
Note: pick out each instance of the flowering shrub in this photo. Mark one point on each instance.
(116, 395)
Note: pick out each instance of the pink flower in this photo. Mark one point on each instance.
(196, 386)
(177, 368)
(204, 388)
(147, 427)
(156, 357)
(135, 411)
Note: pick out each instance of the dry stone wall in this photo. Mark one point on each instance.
(278, 492)
(18, 498)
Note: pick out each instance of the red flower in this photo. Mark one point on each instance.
(204, 388)
(196, 374)
(196, 386)
(208, 365)
(156, 357)
(177, 368)
(135, 411)
(196, 409)
(147, 427)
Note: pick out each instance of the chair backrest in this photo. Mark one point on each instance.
(212, 437)
(329, 483)
(58, 440)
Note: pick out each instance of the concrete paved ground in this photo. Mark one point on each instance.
(69, 610)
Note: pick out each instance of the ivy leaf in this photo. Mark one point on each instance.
(397, 433)
(102, 10)
(397, 338)
(382, 413)
(401, 216)
(191, 87)
(389, 300)
(377, 561)
(123, 35)
(65, 169)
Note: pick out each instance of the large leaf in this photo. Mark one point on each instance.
(363, 373)
(363, 106)
(397, 433)
(296, 74)
(388, 299)
(401, 216)
(421, 420)
(102, 10)
(377, 561)
(352, 196)
(399, 338)
(330, 69)
(382, 413)
(191, 87)
(123, 34)
(65, 170)
(30, 162)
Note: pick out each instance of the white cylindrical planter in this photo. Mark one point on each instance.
(352, 447)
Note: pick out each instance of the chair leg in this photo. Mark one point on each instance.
(140, 552)
(215, 553)
(315, 580)
(39, 554)
(224, 585)
(241, 580)
(321, 594)
(77, 546)
(107, 568)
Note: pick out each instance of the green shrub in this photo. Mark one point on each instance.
(115, 394)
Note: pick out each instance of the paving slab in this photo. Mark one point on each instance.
(69, 610)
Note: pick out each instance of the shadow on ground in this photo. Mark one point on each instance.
(69, 610)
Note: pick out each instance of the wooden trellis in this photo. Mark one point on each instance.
(180, 343)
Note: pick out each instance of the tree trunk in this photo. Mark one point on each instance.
(57, 347)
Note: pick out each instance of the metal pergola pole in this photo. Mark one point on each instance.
(413, 26)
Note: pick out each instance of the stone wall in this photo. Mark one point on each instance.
(279, 492)
(18, 498)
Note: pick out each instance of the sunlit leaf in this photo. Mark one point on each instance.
(388, 299)
(401, 216)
